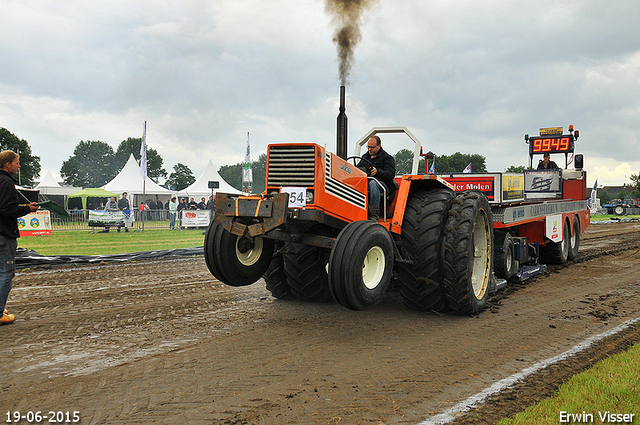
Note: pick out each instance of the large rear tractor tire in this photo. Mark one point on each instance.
(422, 236)
(236, 261)
(275, 277)
(557, 252)
(306, 272)
(574, 245)
(360, 265)
(468, 240)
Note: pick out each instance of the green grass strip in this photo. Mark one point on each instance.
(611, 387)
(84, 242)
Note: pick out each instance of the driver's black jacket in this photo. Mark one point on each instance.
(384, 163)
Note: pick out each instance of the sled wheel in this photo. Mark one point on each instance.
(236, 261)
(467, 253)
(275, 278)
(574, 245)
(306, 273)
(557, 252)
(504, 263)
(422, 234)
(360, 265)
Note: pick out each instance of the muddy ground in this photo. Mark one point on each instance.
(164, 342)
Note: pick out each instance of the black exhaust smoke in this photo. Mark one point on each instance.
(346, 16)
(341, 148)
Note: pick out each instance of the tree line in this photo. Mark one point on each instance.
(95, 163)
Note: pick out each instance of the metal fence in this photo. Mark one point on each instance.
(79, 220)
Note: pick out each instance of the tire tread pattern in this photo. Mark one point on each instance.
(422, 235)
(458, 252)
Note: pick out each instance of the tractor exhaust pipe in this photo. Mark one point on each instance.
(341, 148)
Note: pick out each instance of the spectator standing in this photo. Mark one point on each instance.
(111, 205)
(192, 204)
(157, 209)
(202, 205)
(10, 210)
(173, 211)
(125, 206)
(211, 203)
(181, 207)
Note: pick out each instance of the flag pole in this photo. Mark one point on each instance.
(247, 175)
(143, 169)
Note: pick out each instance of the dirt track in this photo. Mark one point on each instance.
(164, 342)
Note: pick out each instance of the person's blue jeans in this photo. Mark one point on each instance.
(172, 220)
(375, 193)
(7, 268)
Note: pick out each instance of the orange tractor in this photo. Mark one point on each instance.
(309, 237)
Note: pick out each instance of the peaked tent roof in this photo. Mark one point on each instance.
(129, 180)
(47, 181)
(200, 187)
(49, 186)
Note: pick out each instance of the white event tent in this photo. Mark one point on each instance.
(200, 188)
(129, 180)
(49, 186)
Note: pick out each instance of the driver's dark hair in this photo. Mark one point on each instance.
(378, 141)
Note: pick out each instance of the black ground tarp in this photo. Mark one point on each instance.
(26, 258)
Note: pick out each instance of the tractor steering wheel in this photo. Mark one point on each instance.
(363, 159)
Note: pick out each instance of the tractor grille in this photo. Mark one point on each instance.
(291, 166)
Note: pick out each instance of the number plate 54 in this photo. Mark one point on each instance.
(297, 196)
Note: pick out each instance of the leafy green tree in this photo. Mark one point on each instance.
(458, 161)
(404, 161)
(518, 169)
(132, 145)
(181, 178)
(92, 165)
(635, 178)
(29, 163)
(604, 196)
(232, 174)
(259, 171)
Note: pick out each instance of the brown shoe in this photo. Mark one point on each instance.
(7, 318)
(374, 213)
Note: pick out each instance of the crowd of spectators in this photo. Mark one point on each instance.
(154, 209)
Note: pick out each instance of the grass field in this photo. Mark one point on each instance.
(83, 242)
(609, 217)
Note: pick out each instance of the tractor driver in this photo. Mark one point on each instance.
(379, 164)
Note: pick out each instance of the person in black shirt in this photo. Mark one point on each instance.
(10, 210)
(546, 163)
(377, 163)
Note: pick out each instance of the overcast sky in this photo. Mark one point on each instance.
(462, 75)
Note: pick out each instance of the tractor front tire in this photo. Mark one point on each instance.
(236, 261)
(360, 265)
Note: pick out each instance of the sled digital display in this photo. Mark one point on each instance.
(551, 144)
